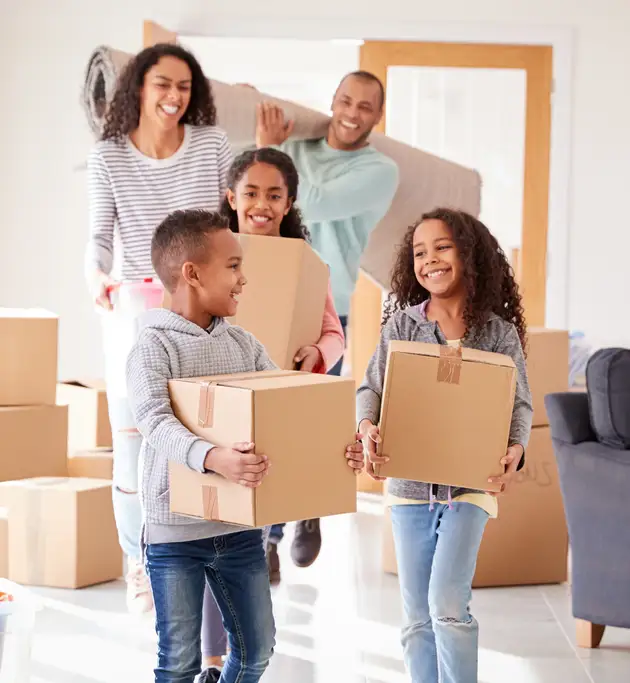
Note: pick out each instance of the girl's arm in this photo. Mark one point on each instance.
(332, 342)
(370, 392)
(521, 426)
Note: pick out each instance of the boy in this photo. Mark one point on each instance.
(198, 259)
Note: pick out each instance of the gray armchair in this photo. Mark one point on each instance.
(594, 466)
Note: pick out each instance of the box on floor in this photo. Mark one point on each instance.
(302, 422)
(428, 390)
(283, 302)
(34, 441)
(93, 464)
(28, 357)
(4, 542)
(88, 420)
(547, 367)
(528, 543)
(62, 532)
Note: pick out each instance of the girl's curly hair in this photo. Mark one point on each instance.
(123, 114)
(292, 224)
(489, 278)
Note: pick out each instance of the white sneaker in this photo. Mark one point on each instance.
(139, 596)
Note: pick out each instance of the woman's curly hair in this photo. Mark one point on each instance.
(292, 224)
(489, 278)
(123, 114)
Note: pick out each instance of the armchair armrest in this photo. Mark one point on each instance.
(569, 417)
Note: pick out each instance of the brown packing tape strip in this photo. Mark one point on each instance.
(210, 496)
(205, 417)
(449, 365)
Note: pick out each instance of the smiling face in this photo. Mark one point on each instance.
(357, 107)
(261, 200)
(166, 92)
(436, 260)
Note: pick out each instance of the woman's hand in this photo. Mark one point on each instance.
(371, 436)
(102, 285)
(510, 463)
(271, 127)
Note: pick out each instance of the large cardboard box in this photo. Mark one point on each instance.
(34, 442)
(547, 367)
(88, 421)
(62, 532)
(94, 464)
(429, 389)
(528, 544)
(4, 543)
(28, 357)
(302, 422)
(283, 302)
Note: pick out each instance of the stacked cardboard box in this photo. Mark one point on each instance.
(528, 543)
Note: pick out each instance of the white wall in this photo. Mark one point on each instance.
(44, 48)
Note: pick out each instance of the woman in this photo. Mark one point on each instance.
(160, 151)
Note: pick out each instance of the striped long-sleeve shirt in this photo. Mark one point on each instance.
(130, 194)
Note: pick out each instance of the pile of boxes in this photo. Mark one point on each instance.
(528, 543)
(54, 530)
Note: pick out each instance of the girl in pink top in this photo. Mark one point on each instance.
(262, 189)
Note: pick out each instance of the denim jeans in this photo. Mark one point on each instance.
(276, 533)
(437, 554)
(235, 568)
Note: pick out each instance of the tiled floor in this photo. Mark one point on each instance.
(337, 623)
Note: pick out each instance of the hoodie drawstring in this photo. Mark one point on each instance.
(431, 500)
(450, 498)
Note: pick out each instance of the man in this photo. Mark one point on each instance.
(346, 187)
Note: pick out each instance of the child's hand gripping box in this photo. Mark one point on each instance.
(301, 422)
(446, 414)
(283, 302)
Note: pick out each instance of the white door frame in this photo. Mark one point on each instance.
(560, 38)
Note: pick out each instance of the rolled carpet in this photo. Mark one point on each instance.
(426, 181)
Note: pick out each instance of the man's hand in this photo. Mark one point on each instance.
(308, 358)
(371, 436)
(354, 455)
(271, 127)
(238, 464)
(510, 462)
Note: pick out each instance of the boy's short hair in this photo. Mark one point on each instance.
(180, 237)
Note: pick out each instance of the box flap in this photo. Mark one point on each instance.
(96, 384)
(242, 379)
(436, 350)
(33, 313)
(73, 484)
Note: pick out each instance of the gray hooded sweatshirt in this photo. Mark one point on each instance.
(171, 347)
(411, 324)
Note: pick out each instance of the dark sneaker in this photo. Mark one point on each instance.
(306, 543)
(273, 564)
(211, 675)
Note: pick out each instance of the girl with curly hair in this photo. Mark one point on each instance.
(160, 151)
(451, 285)
(262, 190)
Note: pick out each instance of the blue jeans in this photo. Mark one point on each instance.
(276, 534)
(236, 570)
(437, 554)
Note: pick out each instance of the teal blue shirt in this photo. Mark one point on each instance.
(342, 195)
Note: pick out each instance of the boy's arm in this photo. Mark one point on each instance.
(521, 426)
(262, 360)
(148, 373)
(370, 392)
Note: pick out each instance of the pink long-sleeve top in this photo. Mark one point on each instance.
(332, 342)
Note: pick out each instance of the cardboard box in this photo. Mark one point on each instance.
(62, 532)
(28, 357)
(4, 543)
(528, 544)
(283, 302)
(428, 390)
(95, 464)
(547, 367)
(34, 442)
(302, 422)
(88, 420)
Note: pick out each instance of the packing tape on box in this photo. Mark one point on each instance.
(449, 365)
(205, 417)
(210, 497)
